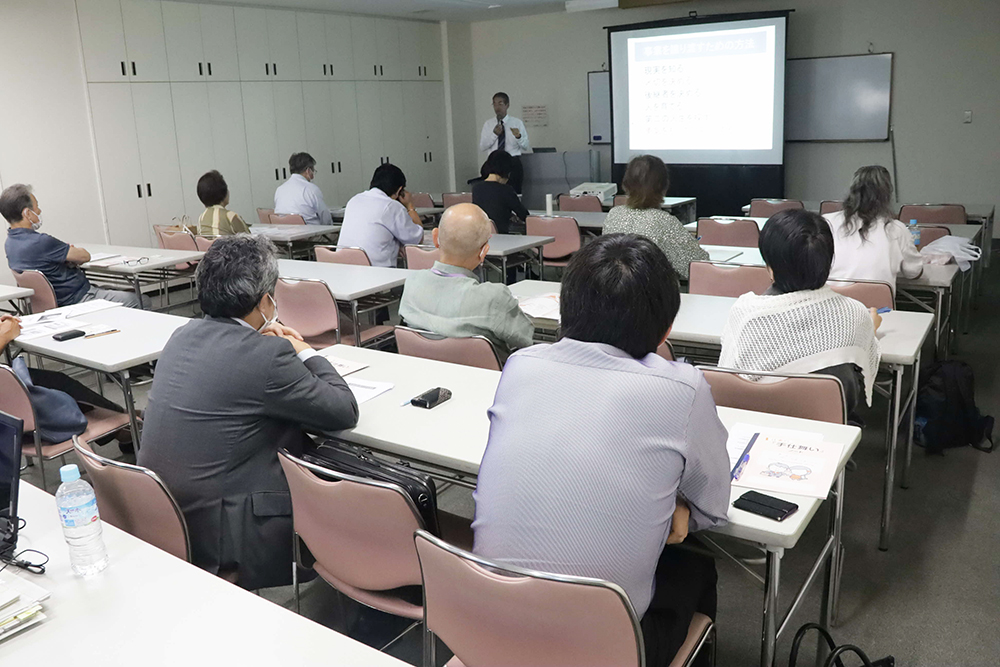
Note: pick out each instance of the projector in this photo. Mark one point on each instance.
(604, 191)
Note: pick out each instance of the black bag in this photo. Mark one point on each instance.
(350, 459)
(833, 659)
(947, 415)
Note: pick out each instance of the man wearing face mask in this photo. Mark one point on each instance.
(30, 250)
(231, 390)
(448, 298)
(381, 219)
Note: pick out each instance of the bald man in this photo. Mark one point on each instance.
(448, 298)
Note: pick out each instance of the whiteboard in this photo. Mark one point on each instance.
(599, 89)
(845, 98)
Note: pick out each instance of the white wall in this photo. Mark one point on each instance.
(45, 135)
(947, 60)
(463, 106)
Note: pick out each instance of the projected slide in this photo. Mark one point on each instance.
(684, 89)
(708, 93)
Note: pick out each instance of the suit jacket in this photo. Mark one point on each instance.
(224, 400)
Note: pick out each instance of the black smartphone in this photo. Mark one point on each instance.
(431, 397)
(769, 506)
(68, 335)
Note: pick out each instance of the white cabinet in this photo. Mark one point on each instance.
(268, 45)
(154, 125)
(437, 142)
(195, 146)
(201, 42)
(365, 48)
(431, 58)
(387, 37)
(423, 124)
(103, 40)
(409, 50)
(332, 136)
(219, 39)
(339, 47)
(351, 177)
(289, 114)
(144, 40)
(319, 135)
(370, 126)
(393, 137)
(225, 104)
(313, 53)
(282, 37)
(261, 141)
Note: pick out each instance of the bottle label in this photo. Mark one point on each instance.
(79, 515)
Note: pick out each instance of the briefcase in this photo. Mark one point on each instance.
(350, 459)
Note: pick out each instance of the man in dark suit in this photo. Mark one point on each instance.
(231, 390)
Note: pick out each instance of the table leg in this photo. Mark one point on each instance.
(970, 277)
(834, 567)
(769, 633)
(503, 270)
(357, 323)
(138, 289)
(939, 320)
(905, 483)
(126, 382)
(892, 434)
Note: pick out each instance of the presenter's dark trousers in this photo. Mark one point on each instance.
(516, 174)
(685, 584)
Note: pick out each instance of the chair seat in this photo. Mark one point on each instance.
(557, 262)
(368, 334)
(700, 625)
(380, 600)
(100, 422)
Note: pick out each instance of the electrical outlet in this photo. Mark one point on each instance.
(968, 117)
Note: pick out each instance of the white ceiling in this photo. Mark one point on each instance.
(433, 10)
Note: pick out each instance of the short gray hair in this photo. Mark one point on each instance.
(235, 274)
(14, 200)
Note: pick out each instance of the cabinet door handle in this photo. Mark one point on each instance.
(276, 177)
(149, 190)
(138, 188)
(200, 73)
(380, 71)
(339, 168)
(375, 70)
(432, 156)
(284, 174)
(324, 69)
(274, 68)
(210, 69)
(124, 73)
(331, 69)
(133, 68)
(267, 69)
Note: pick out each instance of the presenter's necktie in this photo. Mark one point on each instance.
(502, 139)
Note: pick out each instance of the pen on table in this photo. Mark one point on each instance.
(883, 311)
(103, 333)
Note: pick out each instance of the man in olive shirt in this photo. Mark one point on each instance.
(449, 300)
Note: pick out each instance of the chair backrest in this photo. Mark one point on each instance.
(359, 530)
(421, 200)
(743, 233)
(263, 214)
(581, 203)
(727, 279)
(420, 256)
(136, 500)
(307, 306)
(492, 614)
(452, 198)
(830, 206)
(931, 234)
(666, 351)
(175, 239)
(475, 351)
(620, 200)
(565, 231)
(158, 230)
(44, 297)
(342, 255)
(872, 293)
(14, 398)
(818, 397)
(291, 219)
(205, 242)
(765, 208)
(933, 214)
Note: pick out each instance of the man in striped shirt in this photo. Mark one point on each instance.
(601, 453)
(217, 220)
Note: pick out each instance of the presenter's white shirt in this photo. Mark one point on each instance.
(887, 252)
(300, 196)
(488, 140)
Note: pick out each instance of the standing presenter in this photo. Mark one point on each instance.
(506, 133)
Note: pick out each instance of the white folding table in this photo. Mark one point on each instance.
(449, 441)
(505, 246)
(146, 265)
(422, 211)
(140, 339)
(589, 221)
(17, 296)
(150, 608)
(288, 235)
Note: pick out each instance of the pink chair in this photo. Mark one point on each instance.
(44, 297)
(360, 532)
(342, 255)
(263, 214)
(476, 351)
(565, 231)
(276, 219)
(308, 307)
(205, 242)
(742, 233)
(828, 206)
(452, 198)
(934, 214)
(179, 239)
(872, 293)
(581, 203)
(420, 256)
(929, 235)
(620, 200)
(727, 279)
(421, 200)
(817, 397)
(765, 208)
(15, 402)
(489, 613)
(666, 351)
(137, 501)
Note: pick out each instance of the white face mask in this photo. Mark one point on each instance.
(36, 225)
(274, 315)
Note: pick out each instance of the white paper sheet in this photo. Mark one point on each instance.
(722, 254)
(366, 390)
(101, 256)
(544, 307)
(344, 366)
(783, 461)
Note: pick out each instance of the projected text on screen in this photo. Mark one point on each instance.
(711, 90)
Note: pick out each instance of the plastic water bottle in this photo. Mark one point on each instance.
(915, 232)
(81, 523)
